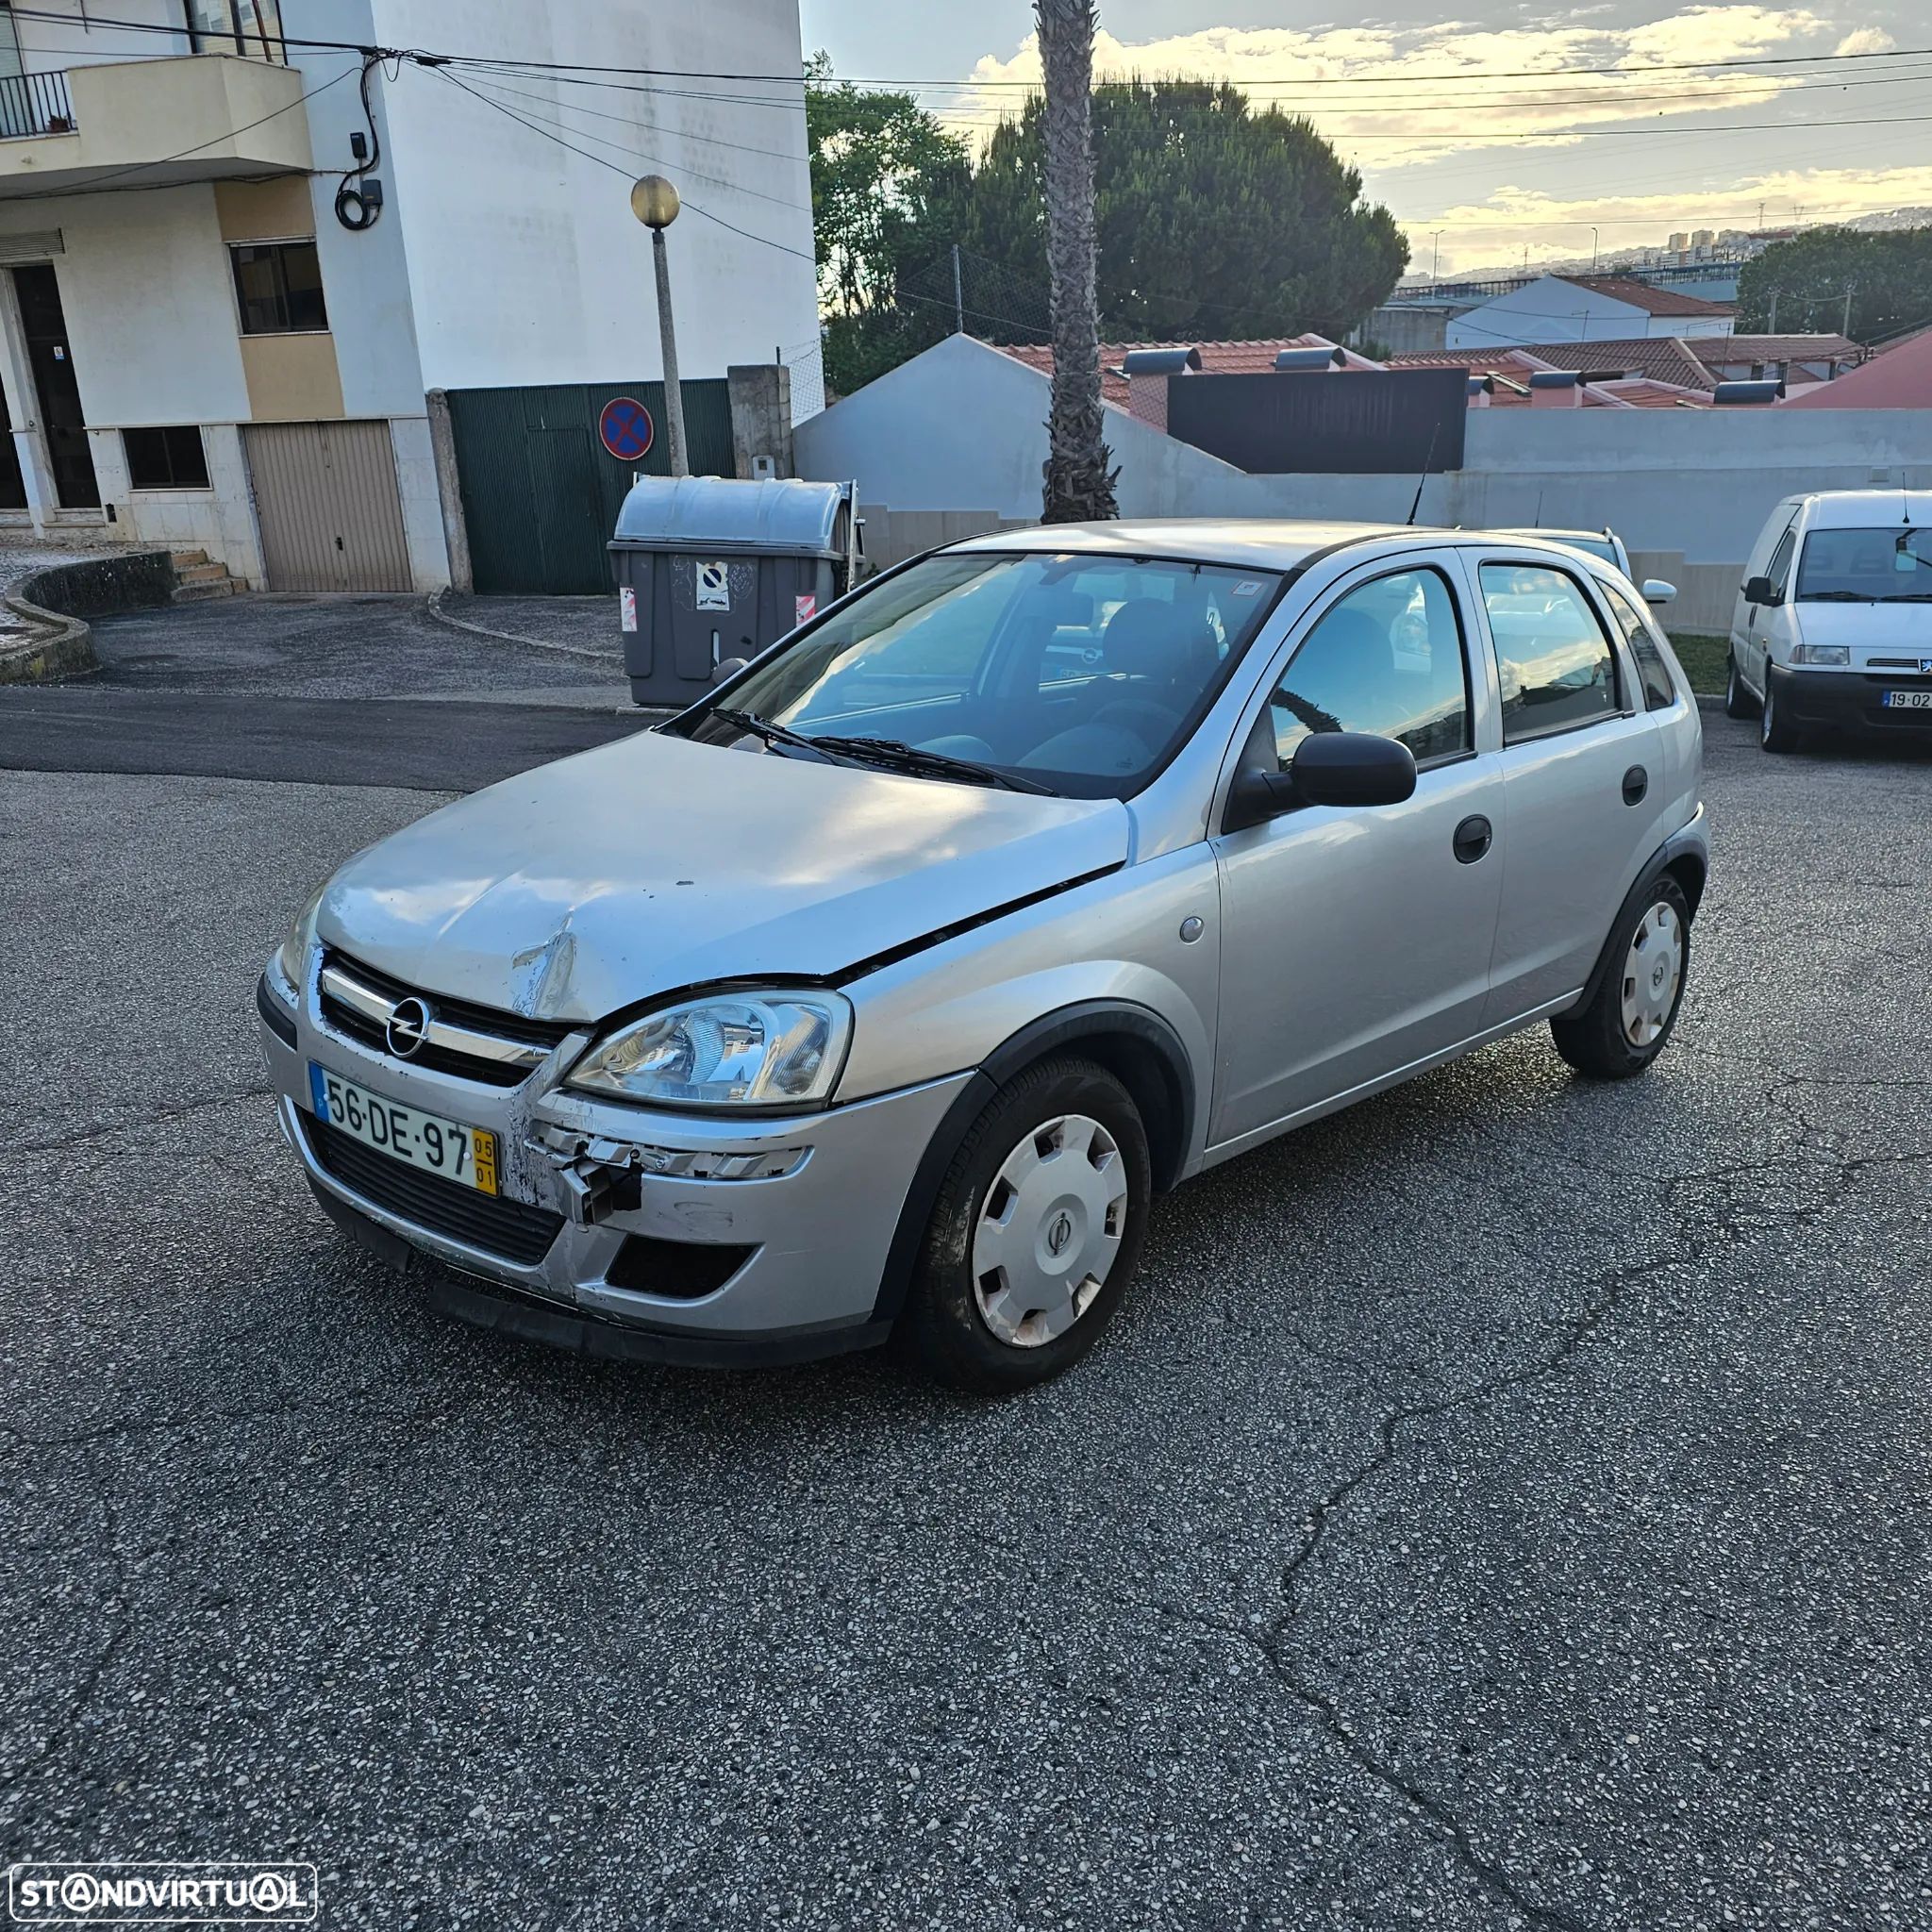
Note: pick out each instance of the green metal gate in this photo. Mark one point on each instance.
(541, 493)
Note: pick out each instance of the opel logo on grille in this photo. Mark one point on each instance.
(407, 1027)
(1059, 1231)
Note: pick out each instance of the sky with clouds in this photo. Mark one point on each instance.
(1483, 161)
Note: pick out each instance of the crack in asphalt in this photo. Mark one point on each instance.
(1695, 1233)
(121, 1622)
(100, 1130)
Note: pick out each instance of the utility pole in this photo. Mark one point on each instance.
(958, 297)
(1592, 248)
(1771, 327)
(1845, 327)
(655, 203)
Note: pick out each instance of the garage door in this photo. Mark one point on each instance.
(326, 500)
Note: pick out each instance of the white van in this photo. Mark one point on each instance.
(1833, 624)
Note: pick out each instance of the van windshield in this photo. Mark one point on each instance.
(1076, 673)
(1890, 564)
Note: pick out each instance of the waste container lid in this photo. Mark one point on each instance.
(782, 516)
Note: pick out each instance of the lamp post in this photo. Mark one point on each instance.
(654, 201)
(1592, 248)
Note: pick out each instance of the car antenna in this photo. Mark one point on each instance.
(1423, 478)
(1536, 523)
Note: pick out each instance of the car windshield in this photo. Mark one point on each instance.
(1600, 547)
(1076, 673)
(1891, 563)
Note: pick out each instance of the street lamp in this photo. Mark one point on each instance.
(654, 201)
(1592, 248)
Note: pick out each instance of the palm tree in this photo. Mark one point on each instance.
(1079, 485)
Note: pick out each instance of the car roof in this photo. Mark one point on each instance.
(1257, 542)
(1853, 509)
(1553, 536)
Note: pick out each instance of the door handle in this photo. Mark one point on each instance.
(1636, 783)
(1471, 839)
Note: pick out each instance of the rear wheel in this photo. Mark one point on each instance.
(1775, 731)
(1736, 699)
(1626, 1021)
(1036, 1233)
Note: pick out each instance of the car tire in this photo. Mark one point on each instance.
(1009, 1230)
(1627, 1022)
(1774, 732)
(1737, 697)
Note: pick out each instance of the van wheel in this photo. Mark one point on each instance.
(1736, 699)
(1774, 732)
(1627, 1022)
(1037, 1232)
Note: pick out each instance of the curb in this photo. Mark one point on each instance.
(433, 604)
(66, 648)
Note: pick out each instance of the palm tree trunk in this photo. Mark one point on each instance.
(1079, 486)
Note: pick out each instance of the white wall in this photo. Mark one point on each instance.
(526, 262)
(1553, 311)
(962, 428)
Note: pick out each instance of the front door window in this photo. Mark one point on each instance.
(63, 425)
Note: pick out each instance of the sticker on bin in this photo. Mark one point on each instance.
(714, 586)
(627, 608)
(804, 609)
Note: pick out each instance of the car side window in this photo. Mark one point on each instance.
(1558, 669)
(1659, 688)
(1387, 657)
(1779, 569)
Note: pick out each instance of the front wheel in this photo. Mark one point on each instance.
(1036, 1231)
(1775, 731)
(1626, 1021)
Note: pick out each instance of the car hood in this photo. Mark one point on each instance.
(1883, 630)
(653, 864)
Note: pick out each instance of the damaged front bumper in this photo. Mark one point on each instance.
(680, 1236)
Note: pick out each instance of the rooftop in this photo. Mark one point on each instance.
(1653, 301)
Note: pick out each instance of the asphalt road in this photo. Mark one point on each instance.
(1505, 1505)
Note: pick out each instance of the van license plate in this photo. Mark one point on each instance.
(445, 1148)
(1908, 700)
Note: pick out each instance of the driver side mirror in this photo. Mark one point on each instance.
(1328, 768)
(1762, 590)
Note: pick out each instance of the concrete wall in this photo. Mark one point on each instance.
(962, 428)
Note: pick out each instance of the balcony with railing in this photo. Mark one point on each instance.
(147, 124)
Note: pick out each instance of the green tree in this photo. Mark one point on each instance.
(1799, 286)
(1214, 222)
(887, 181)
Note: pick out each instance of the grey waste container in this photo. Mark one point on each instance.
(710, 568)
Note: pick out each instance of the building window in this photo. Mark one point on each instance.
(249, 28)
(278, 284)
(166, 458)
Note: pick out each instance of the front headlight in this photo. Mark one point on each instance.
(1821, 654)
(781, 1048)
(291, 961)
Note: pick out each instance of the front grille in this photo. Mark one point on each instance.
(345, 1020)
(512, 1230)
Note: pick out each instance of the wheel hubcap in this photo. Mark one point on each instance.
(1049, 1230)
(1653, 969)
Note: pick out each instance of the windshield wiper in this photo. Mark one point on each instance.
(1907, 597)
(1836, 597)
(896, 753)
(781, 734)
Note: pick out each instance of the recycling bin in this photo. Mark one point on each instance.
(710, 568)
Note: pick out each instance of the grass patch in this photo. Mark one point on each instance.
(1703, 659)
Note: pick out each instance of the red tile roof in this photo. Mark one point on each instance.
(1710, 349)
(1642, 295)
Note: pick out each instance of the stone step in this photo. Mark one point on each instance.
(184, 557)
(201, 573)
(200, 591)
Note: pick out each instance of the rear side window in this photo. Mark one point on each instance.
(1388, 658)
(1659, 691)
(1558, 669)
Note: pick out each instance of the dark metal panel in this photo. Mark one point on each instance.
(1363, 421)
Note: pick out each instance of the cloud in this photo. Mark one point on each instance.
(1481, 105)
(1866, 40)
(1498, 228)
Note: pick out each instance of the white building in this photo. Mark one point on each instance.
(211, 336)
(1582, 309)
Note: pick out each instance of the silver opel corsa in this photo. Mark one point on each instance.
(879, 993)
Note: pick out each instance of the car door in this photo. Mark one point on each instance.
(1356, 940)
(1583, 778)
(1764, 623)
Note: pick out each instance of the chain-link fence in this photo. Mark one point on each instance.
(806, 363)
